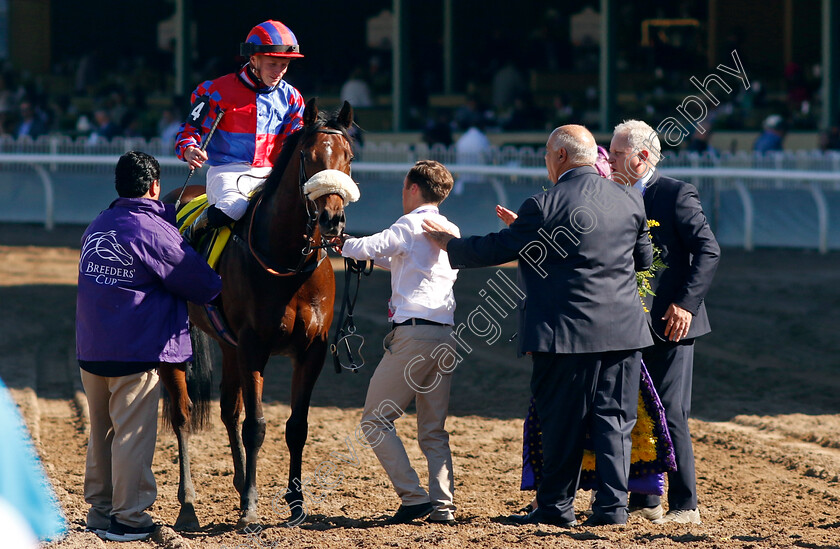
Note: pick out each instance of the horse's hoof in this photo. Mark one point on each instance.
(187, 521)
(248, 520)
(186, 525)
(298, 515)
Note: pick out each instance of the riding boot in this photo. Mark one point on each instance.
(197, 229)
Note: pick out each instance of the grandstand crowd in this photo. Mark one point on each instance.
(95, 100)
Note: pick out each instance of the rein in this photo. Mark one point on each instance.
(311, 221)
(347, 327)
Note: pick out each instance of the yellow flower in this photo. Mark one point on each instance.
(644, 440)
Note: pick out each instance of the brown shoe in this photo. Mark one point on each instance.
(649, 513)
(680, 516)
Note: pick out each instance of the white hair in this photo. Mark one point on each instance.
(580, 151)
(641, 137)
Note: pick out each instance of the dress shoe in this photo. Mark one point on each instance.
(680, 516)
(407, 513)
(100, 532)
(527, 509)
(649, 513)
(122, 532)
(538, 516)
(601, 520)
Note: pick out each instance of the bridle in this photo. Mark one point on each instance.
(341, 350)
(311, 222)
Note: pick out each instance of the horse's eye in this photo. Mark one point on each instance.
(352, 158)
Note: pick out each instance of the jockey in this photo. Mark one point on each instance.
(260, 111)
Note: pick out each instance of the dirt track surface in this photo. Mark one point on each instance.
(766, 427)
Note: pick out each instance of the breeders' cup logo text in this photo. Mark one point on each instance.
(103, 246)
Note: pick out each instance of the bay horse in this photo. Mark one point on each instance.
(277, 297)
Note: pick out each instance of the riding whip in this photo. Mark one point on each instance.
(202, 149)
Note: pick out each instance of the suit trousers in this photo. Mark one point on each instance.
(123, 431)
(407, 372)
(671, 367)
(579, 393)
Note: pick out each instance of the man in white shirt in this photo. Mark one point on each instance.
(422, 310)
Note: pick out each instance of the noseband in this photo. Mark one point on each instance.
(311, 222)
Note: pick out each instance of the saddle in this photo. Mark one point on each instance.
(210, 245)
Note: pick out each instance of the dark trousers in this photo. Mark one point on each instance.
(579, 393)
(671, 366)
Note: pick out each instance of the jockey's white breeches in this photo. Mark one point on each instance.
(229, 186)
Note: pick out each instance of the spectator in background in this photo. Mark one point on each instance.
(356, 91)
(700, 142)
(508, 84)
(798, 91)
(32, 122)
(438, 130)
(524, 115)
(830, 139)
(562, 112)
(473, 147)
(103, 127)
(470, 113)
(773, 136)
(169, 125)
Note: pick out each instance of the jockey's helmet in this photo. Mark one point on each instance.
(270, 38)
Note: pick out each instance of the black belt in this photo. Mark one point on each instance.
(419, 322)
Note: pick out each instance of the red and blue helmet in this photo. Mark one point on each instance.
(270, 38)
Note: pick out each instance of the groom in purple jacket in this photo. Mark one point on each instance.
(136, 275)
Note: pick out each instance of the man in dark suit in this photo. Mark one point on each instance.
(677, 311)
(578, 245)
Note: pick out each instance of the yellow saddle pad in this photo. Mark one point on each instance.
(218, 238)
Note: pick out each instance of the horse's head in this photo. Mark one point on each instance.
(325, 166)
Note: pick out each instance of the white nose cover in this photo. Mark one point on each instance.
(332, 182)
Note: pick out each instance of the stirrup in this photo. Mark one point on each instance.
(197, 229)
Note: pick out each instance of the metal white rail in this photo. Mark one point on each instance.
(742, 180)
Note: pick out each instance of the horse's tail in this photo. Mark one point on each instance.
(199, 380)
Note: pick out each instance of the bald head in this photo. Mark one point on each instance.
(568, 147)
(578, 143)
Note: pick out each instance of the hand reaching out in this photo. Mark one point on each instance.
(507, 216)
(338, 241)
(437, 233)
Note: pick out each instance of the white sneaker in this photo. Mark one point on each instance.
(650, 513)
(680, 516)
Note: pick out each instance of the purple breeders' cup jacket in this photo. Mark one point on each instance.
(135, 277)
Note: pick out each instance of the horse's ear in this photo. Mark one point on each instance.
(345, 117)
(310, 113)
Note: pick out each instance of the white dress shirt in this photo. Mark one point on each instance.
(642, 183)
(421, 278)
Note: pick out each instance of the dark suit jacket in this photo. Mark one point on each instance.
(578, 245)
(689, 249)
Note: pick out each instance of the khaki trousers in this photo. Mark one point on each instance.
(406, 372)
(123, 430)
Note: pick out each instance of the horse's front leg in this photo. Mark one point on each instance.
(251, 358)
(307, 368)
(174, 380)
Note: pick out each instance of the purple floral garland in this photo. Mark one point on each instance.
(646, 477)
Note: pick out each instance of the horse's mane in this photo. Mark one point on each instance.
(290, 146)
